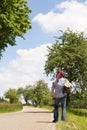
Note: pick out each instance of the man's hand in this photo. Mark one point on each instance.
(53, 95)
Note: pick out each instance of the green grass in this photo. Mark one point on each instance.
(46, 107)
(7, 107)
(73, 122)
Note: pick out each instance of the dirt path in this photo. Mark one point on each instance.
(28, 119)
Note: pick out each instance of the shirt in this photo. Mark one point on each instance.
(57, 87)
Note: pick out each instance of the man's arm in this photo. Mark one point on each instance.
(53, 91)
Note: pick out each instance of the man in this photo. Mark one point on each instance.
(58, 96)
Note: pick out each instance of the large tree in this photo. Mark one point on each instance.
(70, 54)
(14, 21)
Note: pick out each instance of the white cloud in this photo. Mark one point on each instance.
(70, 14)
(27, 68)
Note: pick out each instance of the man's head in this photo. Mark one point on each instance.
(60, 74)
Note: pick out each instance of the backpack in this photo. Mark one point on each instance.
(67, 87)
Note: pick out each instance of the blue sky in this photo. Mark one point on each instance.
(23, 64)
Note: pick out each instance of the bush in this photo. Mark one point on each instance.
(80, 112)
(79, 103)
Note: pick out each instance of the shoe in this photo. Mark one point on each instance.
(54, 121)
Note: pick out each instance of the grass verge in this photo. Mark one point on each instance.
(7, 107)
(73, 122)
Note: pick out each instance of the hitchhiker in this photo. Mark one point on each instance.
(59, 97)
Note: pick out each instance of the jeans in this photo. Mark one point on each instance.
(63, 107)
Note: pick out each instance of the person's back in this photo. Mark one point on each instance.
(58, 88)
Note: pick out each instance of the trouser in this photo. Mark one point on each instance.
(63, 107)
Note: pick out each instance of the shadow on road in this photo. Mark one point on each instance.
(37, 112)
(43, 121)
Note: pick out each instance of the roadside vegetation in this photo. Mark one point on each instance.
(74, 121)
(7, 107)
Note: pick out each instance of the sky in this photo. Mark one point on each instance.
(23, 64)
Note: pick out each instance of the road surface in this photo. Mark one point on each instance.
(28, 119)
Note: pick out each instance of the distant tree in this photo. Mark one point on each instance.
(12, 95)
(2, 99)
(41, 93)
(20, 92)
(37, 94)
(26, 93)
(14, 21)
(69, 53)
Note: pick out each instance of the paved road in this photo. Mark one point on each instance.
(28, 119)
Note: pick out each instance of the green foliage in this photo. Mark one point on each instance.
(70, 55)
(41, 93)
(12, 95)
(79, 112)
(2, 99)
(78, 103)
(37, 94)
(27, 94)
(20, 91)
(14, 21)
